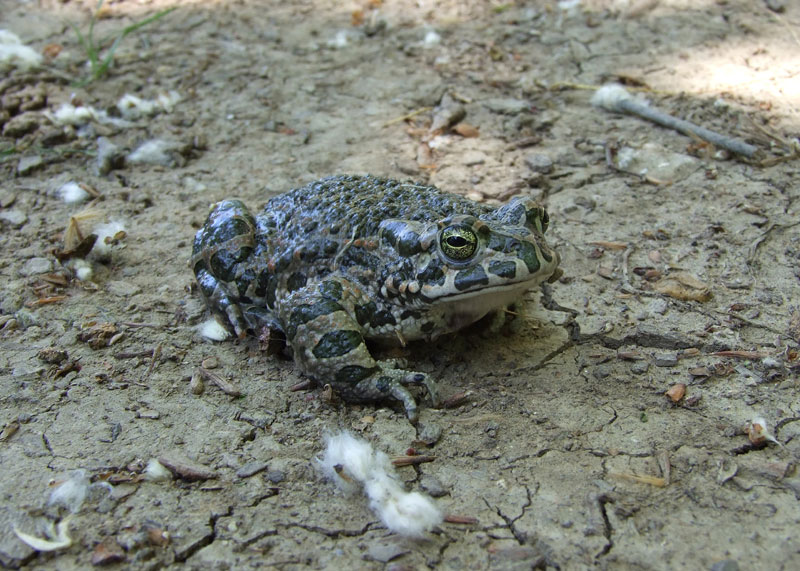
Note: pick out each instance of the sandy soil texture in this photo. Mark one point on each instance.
(640, 413)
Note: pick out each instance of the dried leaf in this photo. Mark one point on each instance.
(58, 537)
(466, 130)
(649, 480)
(684, 287)
(676, 392)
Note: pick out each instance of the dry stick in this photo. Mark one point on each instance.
(615, 98)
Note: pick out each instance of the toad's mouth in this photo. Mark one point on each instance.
(499, 295)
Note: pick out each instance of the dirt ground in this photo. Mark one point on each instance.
(568, 444)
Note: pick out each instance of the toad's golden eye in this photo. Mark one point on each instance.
(458, 243)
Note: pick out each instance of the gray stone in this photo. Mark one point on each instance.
(386, 551)
(251, 469)
(472, 158)
(15, 217)
(507, 106)
(433, 486)
(640, 367)
(539, 162)
(36, 266)
(666, 359)
(27, 165)
(122, 288)
(658, 306)
(22, 124)
(726, 565)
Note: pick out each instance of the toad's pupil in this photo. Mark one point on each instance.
(456, 241)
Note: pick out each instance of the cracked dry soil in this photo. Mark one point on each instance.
(565, 451)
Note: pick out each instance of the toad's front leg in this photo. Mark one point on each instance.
(328, 345)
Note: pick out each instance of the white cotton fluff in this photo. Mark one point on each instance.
(72, 193)
(71, 493)
(105, 237)
(76, 116)
(14, 54)
(156, 152)
(614, 97)
(156, 472)
(69, 114)
(83, 269)
(408, 514)
(213, 330)
(432, 38)
(132, 107)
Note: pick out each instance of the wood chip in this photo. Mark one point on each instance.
(412, 460)
(184, 468)
(676, 392)
(741, 354)
(610, 245)
(466, 130)
(461, 519)
(684, 287)
(224, 385)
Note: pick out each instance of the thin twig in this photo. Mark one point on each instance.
(616, 98)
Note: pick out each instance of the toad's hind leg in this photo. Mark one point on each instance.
(328, 345)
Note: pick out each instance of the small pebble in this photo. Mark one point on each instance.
(726, 565)
(196, 385)
(27, 165)
(52, 355)
(122, 288)
(658, 306)
(472, 158)
(36, 266)
(276, 476)
(777, 6)
(640, 367)
(666, 359)
(22, 124)
(430, 433)
(7, 199)
(14, 217)
(433, 486)
(540, 163)
(506, 106)
(251, 469)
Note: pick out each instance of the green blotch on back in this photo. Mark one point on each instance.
(353, 374)
(304, 313)
(337, 343)
(331, 290)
